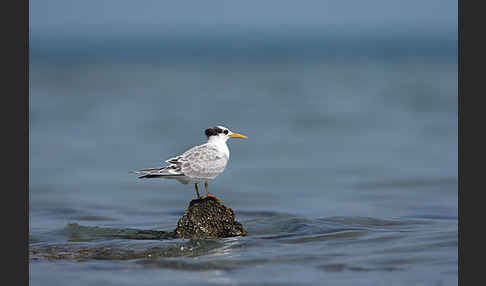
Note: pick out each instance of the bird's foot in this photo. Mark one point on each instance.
(211, 195)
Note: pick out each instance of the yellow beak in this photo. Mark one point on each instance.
(236, 135)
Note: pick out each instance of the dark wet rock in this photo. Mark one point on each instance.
(121, 250)
(78, 232)
(208, 218)
(204, 218)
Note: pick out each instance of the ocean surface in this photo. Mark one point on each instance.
(348, 175)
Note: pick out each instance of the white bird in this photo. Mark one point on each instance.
(198, 164)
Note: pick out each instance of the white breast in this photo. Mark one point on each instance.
(220, 144)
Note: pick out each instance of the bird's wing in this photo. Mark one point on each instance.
(171, 170)
(203, 161)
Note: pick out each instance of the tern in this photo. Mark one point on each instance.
(198, 164)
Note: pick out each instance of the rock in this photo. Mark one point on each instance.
(208, 218)
(78, 232)
(204, 218)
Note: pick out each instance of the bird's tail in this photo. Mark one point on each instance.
(167, 172)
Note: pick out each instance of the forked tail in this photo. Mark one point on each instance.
(165, 172)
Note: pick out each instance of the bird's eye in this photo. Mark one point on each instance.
(226, 132)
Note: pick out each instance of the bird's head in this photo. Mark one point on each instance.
(222, 133)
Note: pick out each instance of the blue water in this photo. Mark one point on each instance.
(348, 176)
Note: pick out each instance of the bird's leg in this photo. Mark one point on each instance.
(207, 192)
(197, 192)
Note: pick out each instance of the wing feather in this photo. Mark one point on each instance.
(202, 162)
